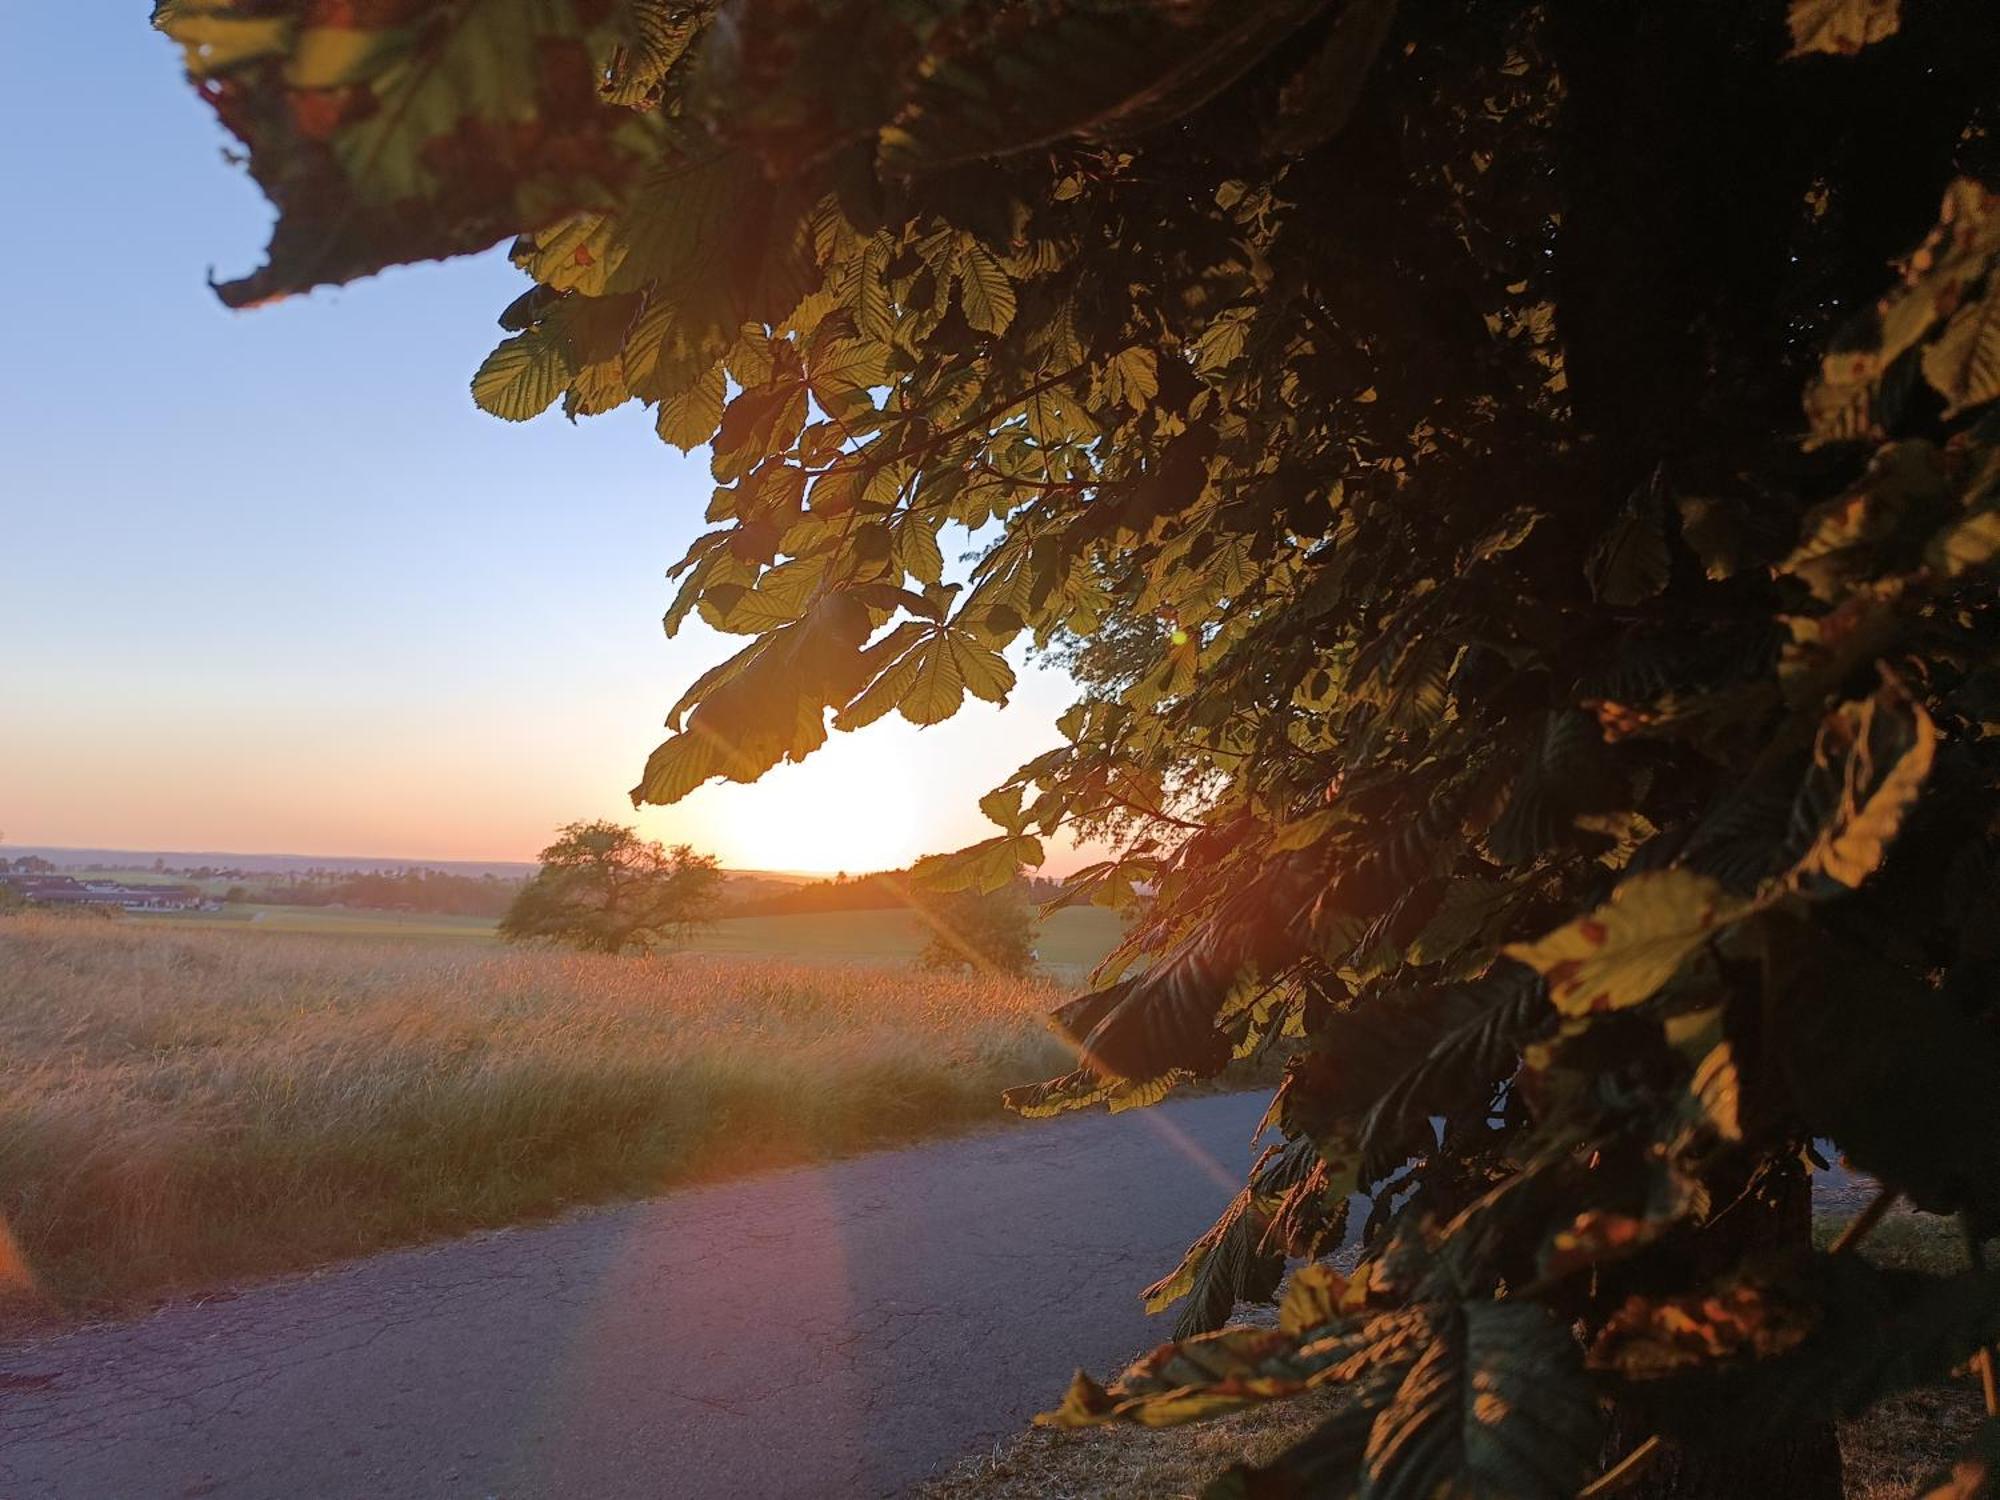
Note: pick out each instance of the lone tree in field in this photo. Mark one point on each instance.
(989, 932)
(1520, 484)
(604, 889)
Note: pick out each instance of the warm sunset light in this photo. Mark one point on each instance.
(738, 735)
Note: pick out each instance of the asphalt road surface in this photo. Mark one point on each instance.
(833, 1331)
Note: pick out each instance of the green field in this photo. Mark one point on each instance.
(1070, 942)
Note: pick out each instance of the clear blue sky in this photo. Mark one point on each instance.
(271, 583)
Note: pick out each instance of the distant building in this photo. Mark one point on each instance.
(67, 890)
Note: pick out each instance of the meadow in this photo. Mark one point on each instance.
(1070, 942)
(181, 1105)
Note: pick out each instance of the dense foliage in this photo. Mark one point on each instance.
(1497, 682)
(604, 889)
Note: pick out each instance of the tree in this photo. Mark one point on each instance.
(991, 932)
(603, 888)
(1509, 690)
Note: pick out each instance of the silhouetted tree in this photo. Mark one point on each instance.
(989, 932)
(601, 887)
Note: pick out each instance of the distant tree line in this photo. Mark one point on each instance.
(882, 890)
(410, 889)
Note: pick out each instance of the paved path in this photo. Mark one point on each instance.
(833, 1331)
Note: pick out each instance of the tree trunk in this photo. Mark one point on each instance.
(1799, 1462)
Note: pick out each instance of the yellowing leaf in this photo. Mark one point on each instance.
(1966, 544)
(1222, 342)
(1842, 27)
(1956, 254)
(1312, 1299)
(1622, 953)
(1963, 365)
(213, 42)
(1877, 752)
(522, 377)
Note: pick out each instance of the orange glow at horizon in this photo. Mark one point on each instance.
(465, 776)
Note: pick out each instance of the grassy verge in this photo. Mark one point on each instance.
(1887, 1454)
(179, 1107)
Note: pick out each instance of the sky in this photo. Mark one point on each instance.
(270, 583)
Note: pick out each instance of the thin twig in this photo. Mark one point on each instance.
(1862, 1224)
(1624, 1473)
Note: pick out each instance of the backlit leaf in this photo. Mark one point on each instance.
(1872, 758)
(984, 290)
(1496, 1405)
(1624, 951)
(523, 377)
(1842, 27)
(1963, 365)
(412, 131)
(689, 419)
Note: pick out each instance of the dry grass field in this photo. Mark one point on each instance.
(179, 1106)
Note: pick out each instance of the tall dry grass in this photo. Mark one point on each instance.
(181, 1107)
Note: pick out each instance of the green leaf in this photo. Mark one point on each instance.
(759, 423)
(1630, 562)
(937, 686)
(1225, 1266)
(894, 661)
(1017, 82)
(841, 366)
(983, 289)
(1131, 378)
(656, 37)
(983, 670)
(985, 866)
(522, 377)
(689, 419)
(1318, 100)
(1002, 805)
(414, 131)
(1495, 1408)
(917, 552)
(1622, 953)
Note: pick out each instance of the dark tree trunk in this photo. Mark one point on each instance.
(1800, 1462)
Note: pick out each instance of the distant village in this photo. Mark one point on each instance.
(41, 888)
